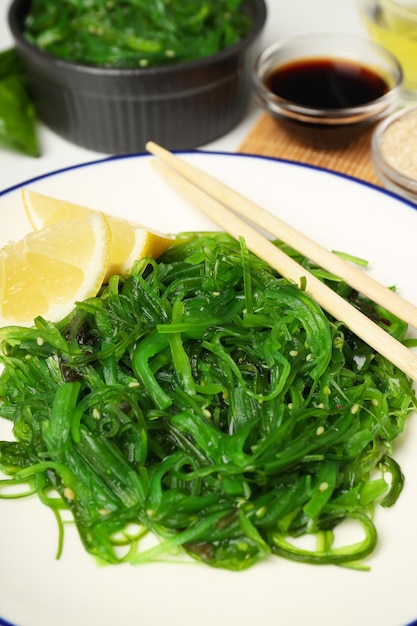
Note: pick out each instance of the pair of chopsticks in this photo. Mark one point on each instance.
(222, 204)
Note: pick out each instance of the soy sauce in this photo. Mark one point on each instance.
(326, 83)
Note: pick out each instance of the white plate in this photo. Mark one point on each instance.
(38, 590)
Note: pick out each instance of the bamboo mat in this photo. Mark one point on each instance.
(342, 150)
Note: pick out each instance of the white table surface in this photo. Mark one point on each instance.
(285, 18)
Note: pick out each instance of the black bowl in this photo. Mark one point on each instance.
(116, 111)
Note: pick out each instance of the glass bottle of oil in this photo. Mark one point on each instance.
(393, 24)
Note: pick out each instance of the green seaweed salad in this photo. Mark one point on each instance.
(210, 404)
(135, 33)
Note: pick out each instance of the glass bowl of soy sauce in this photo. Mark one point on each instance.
(327, 79)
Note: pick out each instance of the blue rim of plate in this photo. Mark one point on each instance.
(249, 155)
(4, 622)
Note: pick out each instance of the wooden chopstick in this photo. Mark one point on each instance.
(339, 308)
(326, 259)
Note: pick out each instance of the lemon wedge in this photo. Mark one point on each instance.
(50, 269)
(129, 241)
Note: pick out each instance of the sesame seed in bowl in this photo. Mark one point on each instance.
(394, 152)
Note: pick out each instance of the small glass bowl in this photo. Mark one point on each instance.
(359, 51)
(394, 154)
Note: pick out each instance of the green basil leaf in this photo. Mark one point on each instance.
(17, 116)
